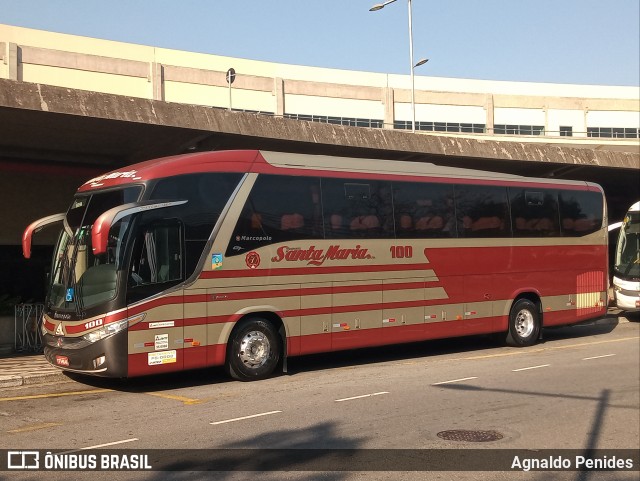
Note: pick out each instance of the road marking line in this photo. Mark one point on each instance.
(454, 380)
(363, 396)
(97, 446)
(532, 367)
(529, 351)
(598, 357)
(245, 417)
(50, 395)
(34, 427)
(187, 401)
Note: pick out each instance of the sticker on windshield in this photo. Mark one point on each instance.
(216, 261)
(69, 296)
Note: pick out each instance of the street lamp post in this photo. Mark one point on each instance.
(380, 6)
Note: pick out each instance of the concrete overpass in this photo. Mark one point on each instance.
(53, 138)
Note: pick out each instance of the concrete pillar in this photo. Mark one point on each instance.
(489, 107)
(278, 91)
(13, 61)
(157, 81)
(388, 99)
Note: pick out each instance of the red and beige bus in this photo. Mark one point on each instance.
(243, 258)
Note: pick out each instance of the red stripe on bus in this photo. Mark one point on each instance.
(161, 301)
(293, 271)
(317, 291)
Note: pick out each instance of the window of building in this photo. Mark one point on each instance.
(349, 121)
(613, 132)
(566, 131)
(518, 129)
(440, 126)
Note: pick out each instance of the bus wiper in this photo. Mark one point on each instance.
(72, 281)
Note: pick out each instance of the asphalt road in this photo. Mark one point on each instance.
(577, 390)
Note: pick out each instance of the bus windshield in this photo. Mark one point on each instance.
(78, 278)
(627, 261)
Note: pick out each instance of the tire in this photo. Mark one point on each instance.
(254, 350)
(524, 324)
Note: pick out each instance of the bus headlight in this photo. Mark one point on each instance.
(106, 331)
(110, 329)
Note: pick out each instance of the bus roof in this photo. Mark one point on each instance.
(266, 162)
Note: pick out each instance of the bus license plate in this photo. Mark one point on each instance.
(62, 361)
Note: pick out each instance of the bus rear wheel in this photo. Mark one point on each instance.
(524, 324)
(254, 350)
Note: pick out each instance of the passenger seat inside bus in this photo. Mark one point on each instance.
(98, 283)
(364, 224)
(291, 222)
(426, 223)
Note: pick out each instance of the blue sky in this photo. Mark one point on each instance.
(558, 41)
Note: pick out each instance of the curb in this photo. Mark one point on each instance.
(30, 379)
(43, 378)
(10, 381)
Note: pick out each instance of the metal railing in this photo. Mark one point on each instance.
(28, 322)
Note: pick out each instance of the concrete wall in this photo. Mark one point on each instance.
(187, 77)
(25, 193)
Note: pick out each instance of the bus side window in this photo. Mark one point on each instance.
(423, 210)
(482, 211)
(581, 212)
(355, 208)
(278, 209)
(534, 213)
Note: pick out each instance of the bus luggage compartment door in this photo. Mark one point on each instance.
(356, 318)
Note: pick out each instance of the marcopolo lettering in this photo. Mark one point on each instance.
(317, 257)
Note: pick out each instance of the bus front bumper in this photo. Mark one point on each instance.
(106, 357)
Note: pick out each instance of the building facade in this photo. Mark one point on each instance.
(577, 115)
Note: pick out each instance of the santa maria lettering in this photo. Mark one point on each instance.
(317, 257)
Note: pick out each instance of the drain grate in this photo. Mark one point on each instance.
(470, 436)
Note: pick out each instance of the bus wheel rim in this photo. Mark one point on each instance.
(254, 349)
(524, 323)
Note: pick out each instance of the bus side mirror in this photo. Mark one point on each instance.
(35, 227)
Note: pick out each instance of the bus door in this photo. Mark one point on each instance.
(157, 268)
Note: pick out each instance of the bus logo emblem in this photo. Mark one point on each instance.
(253, 260)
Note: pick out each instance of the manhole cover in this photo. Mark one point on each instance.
(470, 436)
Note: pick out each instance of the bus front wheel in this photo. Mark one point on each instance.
(524, 324)
(254, 350)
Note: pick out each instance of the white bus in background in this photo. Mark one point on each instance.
(626, 269)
